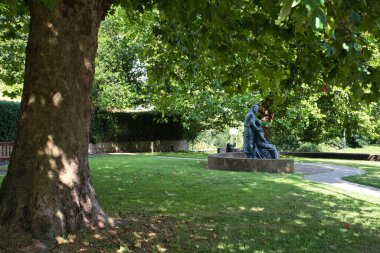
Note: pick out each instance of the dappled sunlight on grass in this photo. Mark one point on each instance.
(174, 205)
(258, 211)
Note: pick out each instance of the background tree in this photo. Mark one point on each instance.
(13, 36)
(323, 117)
(120, 73)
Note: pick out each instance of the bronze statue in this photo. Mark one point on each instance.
(255, 144)
(249, 123)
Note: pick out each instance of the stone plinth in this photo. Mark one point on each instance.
(236, 161)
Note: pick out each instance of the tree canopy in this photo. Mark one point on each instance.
(243, 46)
(211, 60)
(269, 45)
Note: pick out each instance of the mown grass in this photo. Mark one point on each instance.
(242, 211)
(371, 149)
(163, 204)
(371, 168)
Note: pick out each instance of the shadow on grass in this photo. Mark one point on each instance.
(237, 212)
(177, 206)
(370, 178)
(298, 221)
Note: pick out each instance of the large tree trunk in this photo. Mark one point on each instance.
(48, 188)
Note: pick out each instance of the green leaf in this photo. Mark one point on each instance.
(319, 19)
(355, 17)
(3, 7)
(330, 51)
(358, 92)
(330, 27)
(345, 47)
(285, 9)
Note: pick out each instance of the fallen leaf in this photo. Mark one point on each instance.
(152, 226)
(123, 249)
(137, 243)
(160, 248)
(60, 240)
(113, 232)
(347, 225)
(212, 235)
(136, 235)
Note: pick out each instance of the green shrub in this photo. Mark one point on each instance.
(211, 138)
(335, 143)
(357, 141)
(9, 112)
(309, 147)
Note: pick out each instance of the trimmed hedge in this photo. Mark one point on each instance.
(9, 113)
(108, 126)
(134, 126)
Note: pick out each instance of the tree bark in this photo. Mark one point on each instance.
(47, 189)
(267, 115)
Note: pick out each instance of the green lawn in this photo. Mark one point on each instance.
(371, 149)
(371, 168)
(235, 212)
(163, 203)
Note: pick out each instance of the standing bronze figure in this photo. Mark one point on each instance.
(249, 124)
(255, 144)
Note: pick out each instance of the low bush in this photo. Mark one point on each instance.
(357, 141)
(9, 113)
(336, 143)
(309, 147)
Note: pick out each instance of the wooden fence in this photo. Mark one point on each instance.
(5, 150)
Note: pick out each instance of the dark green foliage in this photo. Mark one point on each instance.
(324, 117)
(357, 141)
(336, 143)
(135, 126)
(309, 147)
(9, 112)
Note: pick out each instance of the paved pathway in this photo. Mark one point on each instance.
(3, 163)
(332, 175)
(3, 171)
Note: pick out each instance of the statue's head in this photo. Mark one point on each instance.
(255, 107)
